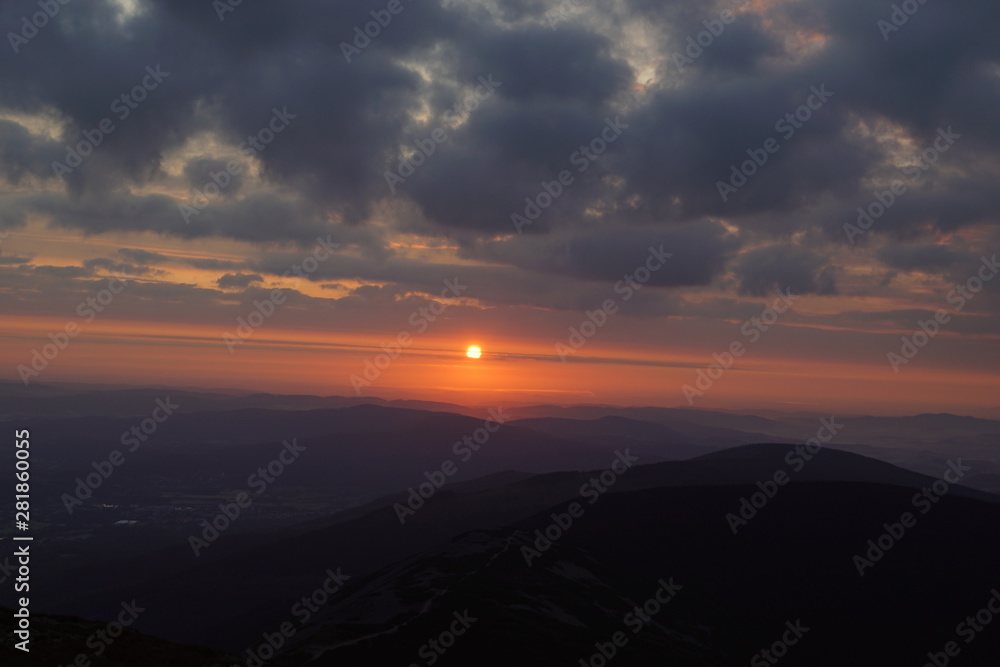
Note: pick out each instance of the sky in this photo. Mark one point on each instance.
(340, 198)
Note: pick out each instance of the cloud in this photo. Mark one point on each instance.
(119, 268)
(202, 171)
(239, 281)
(63, 271)
(13, 259)
(535, 64)
(928, 258)
(656, 184)
(213, 264)
(777, 267)
(23, 154)
(139, 256)
(699, 253)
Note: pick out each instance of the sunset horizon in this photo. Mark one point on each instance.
(479, 333)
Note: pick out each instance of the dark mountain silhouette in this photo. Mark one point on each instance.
(350, 505)
(368, 540)
(792, 564)
(59, 640)
(685, 440)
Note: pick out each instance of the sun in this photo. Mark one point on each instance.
(473, 352)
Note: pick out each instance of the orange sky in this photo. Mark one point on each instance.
(599, 118)
(800, 363)
(510, 371)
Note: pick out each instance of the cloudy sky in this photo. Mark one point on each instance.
(488, 172)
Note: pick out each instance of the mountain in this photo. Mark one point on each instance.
(368, 539)
(792, 566)
(62, 640)
(421, 530)
(922, 442)
(684, 440)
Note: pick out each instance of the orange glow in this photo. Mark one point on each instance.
(515, 372)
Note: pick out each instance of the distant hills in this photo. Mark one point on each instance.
(662, 503)
(351, 504)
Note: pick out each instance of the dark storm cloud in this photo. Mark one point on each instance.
(255, 218)
(680, 16)
(529, 144)
(536, 62)
(224, 76)
(118, 268)
(13, 259)
(212, 264)
(349, 120)
(765, 270)
(935, 70)
(24, 154)
(919, 258)
(699, 253)
(690, 139)
(745, 46)
(63, 271)
(201, 171)
(554, 92)
(494, 285)
(238, 281)
(139, 256)
(373, 294)
(516, 10)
